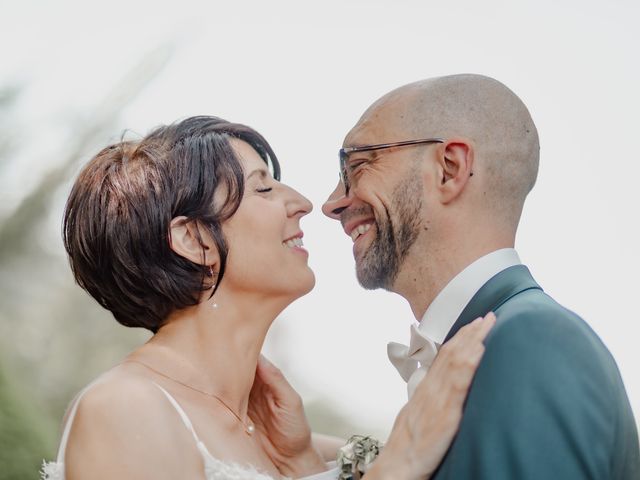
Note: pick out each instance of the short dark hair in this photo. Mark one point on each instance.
(117, 218)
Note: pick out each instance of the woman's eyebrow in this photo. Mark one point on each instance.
(259, 171)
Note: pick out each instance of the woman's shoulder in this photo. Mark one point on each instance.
(124, 420)
(117, 397)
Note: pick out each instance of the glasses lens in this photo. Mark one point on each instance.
(343, 170)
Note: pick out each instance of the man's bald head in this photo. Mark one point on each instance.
(475, 107)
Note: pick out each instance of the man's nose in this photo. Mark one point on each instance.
(337, 202)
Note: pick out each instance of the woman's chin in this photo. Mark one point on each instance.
(312, 282)
(304, 286)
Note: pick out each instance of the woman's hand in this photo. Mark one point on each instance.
(427, 424)
(278, 414)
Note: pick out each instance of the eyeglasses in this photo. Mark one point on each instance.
(346, 151)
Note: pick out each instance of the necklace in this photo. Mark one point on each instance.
(249, 428)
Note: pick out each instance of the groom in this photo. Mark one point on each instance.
(434, 179)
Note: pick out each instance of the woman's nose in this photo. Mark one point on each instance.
(298, 204)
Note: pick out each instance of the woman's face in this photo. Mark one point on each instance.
(264, 235)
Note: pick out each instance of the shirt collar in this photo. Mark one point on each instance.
(454, 297)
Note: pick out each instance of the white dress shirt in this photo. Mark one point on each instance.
(454, 297)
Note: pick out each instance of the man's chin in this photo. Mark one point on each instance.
(370, 279)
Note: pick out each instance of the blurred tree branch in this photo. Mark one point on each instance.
(33, 206)
(8, 97)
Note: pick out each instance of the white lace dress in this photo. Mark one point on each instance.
(214, 469)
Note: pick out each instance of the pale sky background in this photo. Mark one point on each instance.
(301, 73)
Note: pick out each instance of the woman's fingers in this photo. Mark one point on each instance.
(475, 331)
(466, 346)
(271, 376)
(469, 345)
(426, 426)
(483, 326)
(458, 359)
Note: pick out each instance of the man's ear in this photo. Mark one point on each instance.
(456, 167)
(190, 241)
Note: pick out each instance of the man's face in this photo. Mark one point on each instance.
(382, 212)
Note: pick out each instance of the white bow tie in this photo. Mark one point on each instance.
(412, 362)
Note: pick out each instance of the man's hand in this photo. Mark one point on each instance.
(427, 424)
(277, 411)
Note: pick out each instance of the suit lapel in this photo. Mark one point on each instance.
(494, 293)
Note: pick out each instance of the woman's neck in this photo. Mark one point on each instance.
(213, 349)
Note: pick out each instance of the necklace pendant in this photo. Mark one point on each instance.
(250, 429)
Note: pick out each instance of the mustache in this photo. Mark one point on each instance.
(349, 213)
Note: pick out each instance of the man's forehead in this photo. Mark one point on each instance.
(381, 123)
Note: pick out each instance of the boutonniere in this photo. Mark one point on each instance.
(355, 458)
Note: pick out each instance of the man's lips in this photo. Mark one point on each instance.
(360, 230)
(355, 228)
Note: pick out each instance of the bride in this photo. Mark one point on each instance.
(189, 234)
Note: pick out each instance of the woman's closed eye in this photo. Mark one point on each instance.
(259, 179)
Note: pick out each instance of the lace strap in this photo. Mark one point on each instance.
(181, 412)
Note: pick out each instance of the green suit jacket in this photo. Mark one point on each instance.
(547, 401)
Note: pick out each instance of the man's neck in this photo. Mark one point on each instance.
(451, 301)
(424, 277)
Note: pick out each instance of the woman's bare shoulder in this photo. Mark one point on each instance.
(118, 398)
(124, 424)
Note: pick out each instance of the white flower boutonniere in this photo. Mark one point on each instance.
(355, 458)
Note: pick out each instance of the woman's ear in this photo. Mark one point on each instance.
(188, 240)
(456, 167)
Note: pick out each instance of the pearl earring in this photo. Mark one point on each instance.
(215, 305)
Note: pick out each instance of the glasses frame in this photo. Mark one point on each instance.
(346, 151)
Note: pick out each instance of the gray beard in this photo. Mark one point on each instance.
(380, 264)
